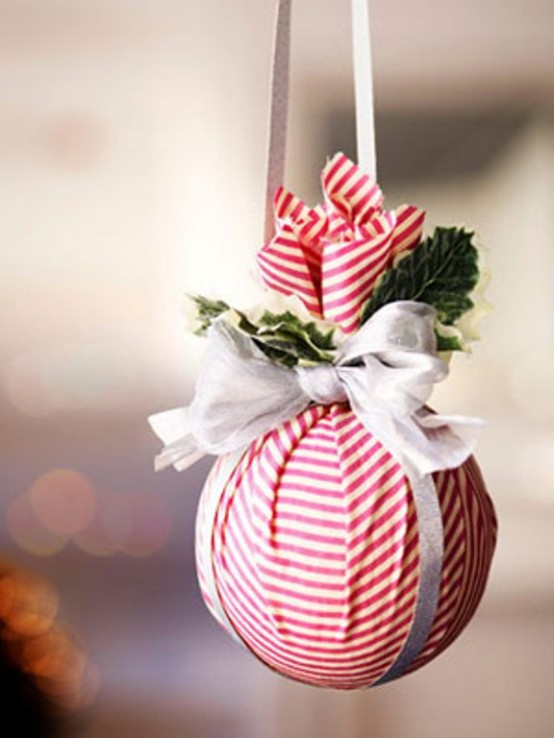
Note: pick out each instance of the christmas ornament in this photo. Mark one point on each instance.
(344, 534)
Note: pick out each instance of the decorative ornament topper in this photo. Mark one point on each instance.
(345, 534)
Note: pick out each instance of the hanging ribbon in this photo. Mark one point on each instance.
(279, 100)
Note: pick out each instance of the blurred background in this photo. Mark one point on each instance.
(132, 153)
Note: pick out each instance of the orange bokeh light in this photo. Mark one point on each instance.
(7, 595)
(33, 606)
(41, 647)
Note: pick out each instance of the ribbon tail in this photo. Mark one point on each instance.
(422, 441)
(179, 457)
(451, 439)
(180, 446)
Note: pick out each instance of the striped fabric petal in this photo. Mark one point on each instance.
(290, 262)
(350, 192)
(408, 229)
(315, 551)
(288, 206)
(350, 269)
(331, 256)
(309, 224)
(348, 273)
(290, 268)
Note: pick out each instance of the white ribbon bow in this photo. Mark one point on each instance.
(386, 371)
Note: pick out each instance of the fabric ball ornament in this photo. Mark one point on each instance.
(315, 551)
(310, 536)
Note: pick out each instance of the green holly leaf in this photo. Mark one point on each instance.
(282, 337)
(442, 272)
(290, 323)
(448, 343)
(207, 311)
(278, 356)
(304, 340)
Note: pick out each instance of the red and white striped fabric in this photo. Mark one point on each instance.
(332, 255)
(315, 551)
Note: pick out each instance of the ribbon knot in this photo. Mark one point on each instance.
(386, 371)
(321, 383)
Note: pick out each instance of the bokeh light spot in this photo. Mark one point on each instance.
(48, 653)
(34, 606)
(109, 529)
(75, 140)
(28, 532)
(137, 524)
(57, 664)
(7, 596)
(64, 501)
(90, 685)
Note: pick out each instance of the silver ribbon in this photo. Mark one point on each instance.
(386, 371)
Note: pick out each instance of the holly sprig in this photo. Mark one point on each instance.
(283, 337)
(442, 272)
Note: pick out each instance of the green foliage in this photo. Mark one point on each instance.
(207, 311)
(442, 272)
(282, 337)
(448, 343)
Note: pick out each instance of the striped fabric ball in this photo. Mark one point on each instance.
(315, 550)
